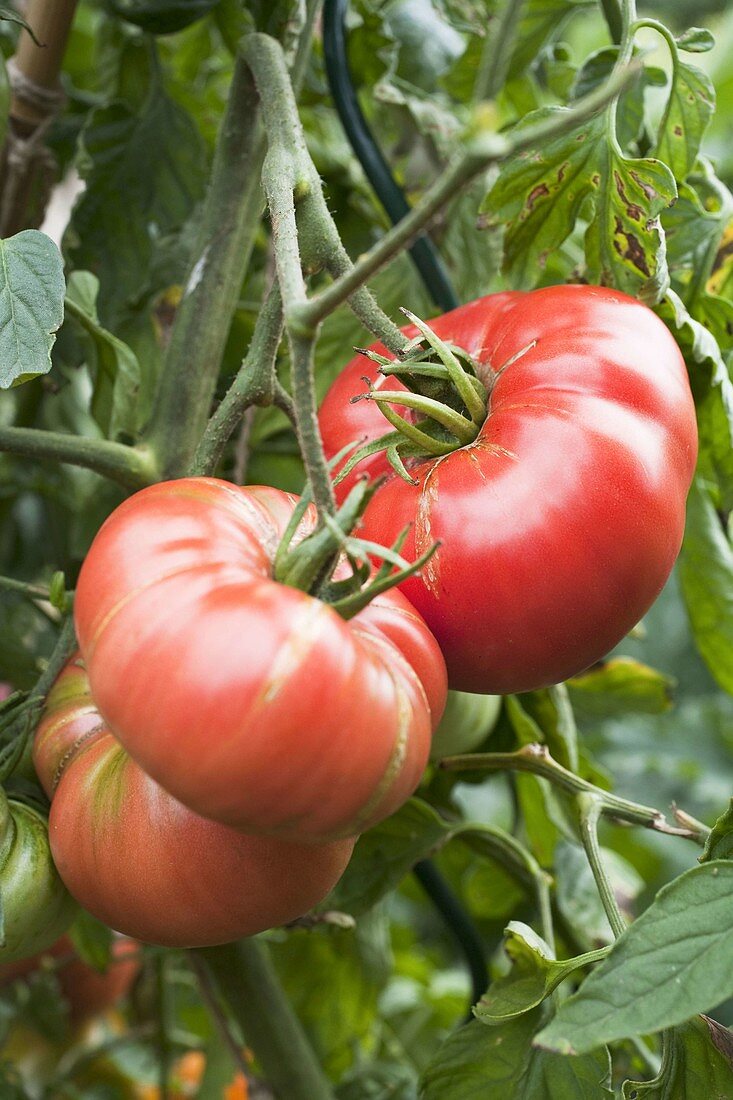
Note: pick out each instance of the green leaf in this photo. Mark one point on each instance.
(706, 577)
(577, 894)
(31, 305)
(93, 940)
(540, 195)
(553, 714)
(499, 1063)
(699, 1063)
(695, 40)
(674, 961)
(533, 976)
(115, 404)
(719, 844)
(118, 222)
(621, 685)
(713, 392)
(689, 109)
(13, 17)
(541, 20)
(385, 854)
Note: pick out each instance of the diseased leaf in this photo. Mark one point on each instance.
(706, 576)
(31, 305)
(540, 195)
(533, 976)
(713, 392)
(621, 685)
(675, 960)
(499, 1063)
(700, 1064)
(719, 844)
(689, 109)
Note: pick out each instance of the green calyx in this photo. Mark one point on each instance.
(310, 564)
(442, 388)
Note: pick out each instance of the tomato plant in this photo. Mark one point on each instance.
(216, 657)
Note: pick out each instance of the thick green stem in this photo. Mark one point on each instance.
(254, 385)
(590, 809)
(246, 978)
(497, 52)
(131, 467)
(221, 255)
(537, 760)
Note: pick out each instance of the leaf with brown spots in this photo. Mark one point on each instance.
(689, 109)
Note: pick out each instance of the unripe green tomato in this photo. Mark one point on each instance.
(467, 720)
(36, 906)
(162, 16)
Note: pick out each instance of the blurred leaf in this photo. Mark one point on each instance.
(700, 1063)
(499, 1063)
(706, 576)
(719, 844)
(533, 976)
(695, 40)
(31, 305)
(93, 940)
(14, 17)
(621, 685)
(675, 960)
(119, 220)
(162, 16)
(115, 401)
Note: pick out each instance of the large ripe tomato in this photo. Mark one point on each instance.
(560, 523)
(146, 865)
(86, 990)
(253, 703)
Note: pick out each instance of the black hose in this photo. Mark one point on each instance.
(423, 252)
(432, 271)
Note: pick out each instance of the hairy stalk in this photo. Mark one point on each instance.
(131, 467)
(221, 256)
(247, 980)
(254, 384)
(590, 809)
(497, 52)
(483, 148)
(537, 760)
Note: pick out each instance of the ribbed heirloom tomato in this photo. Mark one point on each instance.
(560, 522)
(252, 702)
(146, 865)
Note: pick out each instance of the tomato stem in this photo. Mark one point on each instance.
(590, 809)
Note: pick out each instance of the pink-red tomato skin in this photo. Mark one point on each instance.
(560, 524)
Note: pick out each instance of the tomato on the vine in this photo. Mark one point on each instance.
(146, 865)
(252, 702)
(560, 522)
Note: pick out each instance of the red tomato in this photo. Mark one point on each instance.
(560, 523)
(88, 991)
(253, 703)
(143, 863)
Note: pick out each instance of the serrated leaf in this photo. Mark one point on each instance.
(695, 40)
(713, 392)
(706, 576)
(115, 404)
(621, 685)
(719, 844)
(689, 109)
(123, 213)
(499, 1063)
(31, 305)
(539, 197)
(699, 1063)
(534, 974)
(675, 960)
